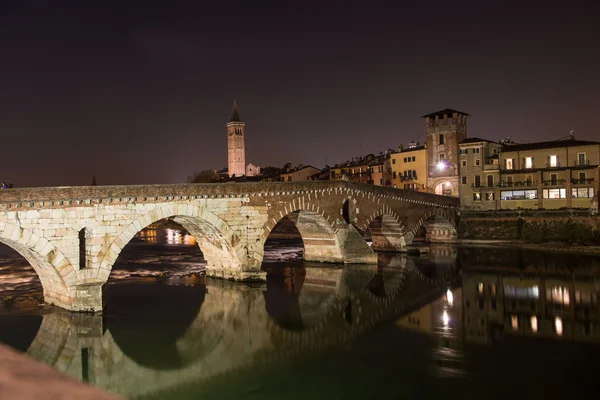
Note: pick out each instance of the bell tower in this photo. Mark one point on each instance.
(236, 148)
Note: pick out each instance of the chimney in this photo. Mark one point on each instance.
(401, 147)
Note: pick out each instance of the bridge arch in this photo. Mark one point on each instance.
(439, 225)
(316, 228)
(388, 233)
(221, 247)
(54, 270)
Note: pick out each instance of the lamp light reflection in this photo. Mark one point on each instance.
(534, 323)
(445, 318)
(559, 326)
(449, 297)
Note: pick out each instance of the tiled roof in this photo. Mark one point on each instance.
(547, 145)
(447, 111)
(476, 140)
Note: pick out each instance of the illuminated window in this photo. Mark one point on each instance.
(534, 323)
(522, 292)
(528, 162)
(553, 161)
(480, 288)
(582, 193)
(509, 163)
(493, 289)
(519, 194)
(491, 196)
(514, 322)
(554, 193)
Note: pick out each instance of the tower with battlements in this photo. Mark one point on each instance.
(236, 148)
(445, 130)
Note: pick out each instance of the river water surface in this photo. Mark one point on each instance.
(460, 322)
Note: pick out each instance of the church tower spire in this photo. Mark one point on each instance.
(236, 147)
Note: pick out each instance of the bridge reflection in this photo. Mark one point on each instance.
(220, 327)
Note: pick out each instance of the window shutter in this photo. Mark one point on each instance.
(523, 165)
(548, 161)
(532, 162)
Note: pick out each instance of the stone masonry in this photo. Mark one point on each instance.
(231, 222)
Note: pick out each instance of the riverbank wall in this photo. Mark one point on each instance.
(579, 227)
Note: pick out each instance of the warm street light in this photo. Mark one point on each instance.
(441, 165)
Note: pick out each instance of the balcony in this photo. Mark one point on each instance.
(553, 165)
(488, 167)
(586, 181)
(581, 163)
(518, 184)
(554, 182)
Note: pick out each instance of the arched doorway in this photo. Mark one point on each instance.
(444, 188)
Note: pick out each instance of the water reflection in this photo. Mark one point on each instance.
(389, 330)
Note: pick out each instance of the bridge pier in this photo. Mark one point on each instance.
(440, 231)
(337, 242)
(387, 235)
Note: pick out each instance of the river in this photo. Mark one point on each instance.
(460, 322)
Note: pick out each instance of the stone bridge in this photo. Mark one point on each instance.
(72, 236)
(242, 330)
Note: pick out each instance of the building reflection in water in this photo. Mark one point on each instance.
(442, 320)
(233, 330)
(167, 236)
(530, 306)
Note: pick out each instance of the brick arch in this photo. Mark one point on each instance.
(218, 242)
(316, 227)
(298, 204)
(444, 213)
(54, 270)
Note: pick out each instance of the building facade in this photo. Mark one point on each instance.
(381, 171)
(445, 130)
(355, 170)
(302, 173)
(549, 175)
(479, 174)
(409, 168)
(236, 147)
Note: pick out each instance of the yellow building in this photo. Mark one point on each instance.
(549, 175)
(479, 174)
(409, 168)
(355, 170)
(381, 170)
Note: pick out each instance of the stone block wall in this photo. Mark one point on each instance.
(576, 227)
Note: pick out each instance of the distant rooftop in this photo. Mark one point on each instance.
(548, 145)
(417, 148)
(447, 111)
(476, 140)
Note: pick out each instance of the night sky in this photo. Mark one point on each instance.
(141, 93)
